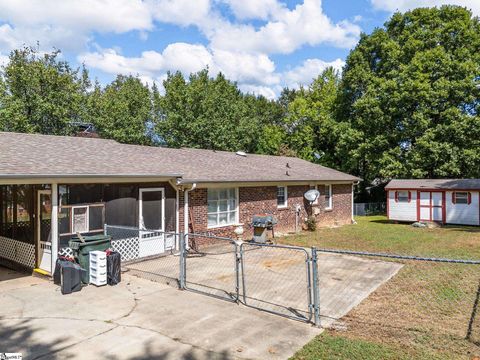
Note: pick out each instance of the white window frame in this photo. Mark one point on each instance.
(237, 209)
(329, 205)
(285, 192)
(464, 198)
(87, 219)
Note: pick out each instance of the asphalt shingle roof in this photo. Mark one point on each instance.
(448, 184)
(61, 156)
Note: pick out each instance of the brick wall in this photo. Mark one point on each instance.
(258, 200)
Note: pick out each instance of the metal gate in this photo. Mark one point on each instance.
(273, 278)
(277, 279)
(211, 266)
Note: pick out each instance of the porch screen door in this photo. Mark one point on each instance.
(151, 216)
(44, 227)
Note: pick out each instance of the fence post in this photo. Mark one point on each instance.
(315, 288)
(183, 255)
(238, 258)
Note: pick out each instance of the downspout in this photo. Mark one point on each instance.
(185, 212)
(353, 203)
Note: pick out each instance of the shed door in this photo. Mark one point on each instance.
(437, 206)
(425, 206)
(431, 205)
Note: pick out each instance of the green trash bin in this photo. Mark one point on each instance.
(81, 251)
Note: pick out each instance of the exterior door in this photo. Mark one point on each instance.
(151, 216)
(431, 204)
(44, 230)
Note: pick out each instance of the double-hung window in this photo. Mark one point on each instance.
(461, 197)
(403, 196)
(282, 197)
(328, 197)
(222, 207)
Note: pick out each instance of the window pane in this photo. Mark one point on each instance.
(461, 197)
(223, 219)
(231, 219)
(223, 194)
(212, 220)
(403, 196)
(212, 194)
(231, 205)
(281, 198)
(212, 206)
(223, 205)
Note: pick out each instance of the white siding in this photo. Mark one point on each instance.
(402, 211)
(466, 214)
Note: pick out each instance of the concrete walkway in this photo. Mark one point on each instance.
(137, 319)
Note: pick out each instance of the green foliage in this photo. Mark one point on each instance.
(410, 97)
(311, 223)
(406, 104)
(124, 111)
(212, 113)
(40, 93)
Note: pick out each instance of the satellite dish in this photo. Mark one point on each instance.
(312, 195)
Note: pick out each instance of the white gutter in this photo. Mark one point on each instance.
(186, 214)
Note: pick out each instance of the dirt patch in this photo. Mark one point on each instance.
(280, 263)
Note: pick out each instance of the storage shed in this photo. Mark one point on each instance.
(447, 201)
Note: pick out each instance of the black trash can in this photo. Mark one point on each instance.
(81, 250)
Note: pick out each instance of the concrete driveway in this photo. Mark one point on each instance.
(142, 319)
(137, 319)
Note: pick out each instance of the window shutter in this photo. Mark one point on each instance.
(409, 196)
(469, 198)
(453, 198)
(396, 196)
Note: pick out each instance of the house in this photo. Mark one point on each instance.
(68, 185)
(447, 201)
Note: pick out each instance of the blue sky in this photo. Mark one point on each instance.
(264, 45)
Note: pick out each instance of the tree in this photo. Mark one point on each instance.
(410, 97)
(123, 111)
(40, 93)
(209, 113)
(311, 122)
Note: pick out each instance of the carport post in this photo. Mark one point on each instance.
(182, 257)
(315, 288)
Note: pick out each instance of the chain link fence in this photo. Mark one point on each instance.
(150, 254)
(403, 299)
(426, 303)
(368, 209)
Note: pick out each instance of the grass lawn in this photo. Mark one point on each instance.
(422, 312)
(377, 234)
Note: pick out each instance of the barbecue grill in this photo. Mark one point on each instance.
(261, 223)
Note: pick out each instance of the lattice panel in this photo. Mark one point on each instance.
(128, 248)
(17, 251)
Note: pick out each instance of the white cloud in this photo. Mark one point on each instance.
(404, 5)
(181, 12)
(309, 70)
(68, 24)
(268, 92)
(254, 9)
(238, 47)
(187, 58)
(286, 32)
